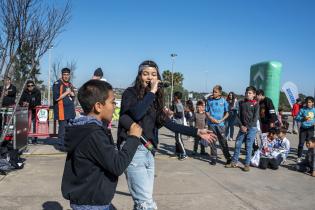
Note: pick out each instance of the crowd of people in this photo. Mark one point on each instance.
(94, 162)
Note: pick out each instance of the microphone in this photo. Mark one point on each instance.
(164, 84)
(126, 122)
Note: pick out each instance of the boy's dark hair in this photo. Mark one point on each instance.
(312, 139)
(200, 103)
(30, 82)
(251, 88)
(260, 92)
(178, 95)
(218, 87)
(298, 100)
(65, 70)
(280, 110)
(91, 92)
(309, 98)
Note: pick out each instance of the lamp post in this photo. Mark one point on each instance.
(206, 81)
(173, 55)
(49, 66)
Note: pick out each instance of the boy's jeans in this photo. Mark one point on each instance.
(140, 179)
(89, 207)
(249, 140)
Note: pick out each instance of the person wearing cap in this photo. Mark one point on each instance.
(98, 74)
(31, 97)
(9, 93)
(63, 99)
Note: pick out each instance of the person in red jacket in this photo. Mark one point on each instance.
(295, 110)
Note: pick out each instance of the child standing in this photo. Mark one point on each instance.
(217, 112)
(307, 118)
(247, 121)
(229, 123)
(93, 163)
(200, 122)
(178, 116)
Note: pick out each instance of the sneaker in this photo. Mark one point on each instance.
(231, 165)
(203, 153)
(213, 161)
(182, 157)
(194, 153)
(246, 168)
(299, 160)
(228, 162)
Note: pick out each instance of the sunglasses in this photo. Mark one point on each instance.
(30, 85)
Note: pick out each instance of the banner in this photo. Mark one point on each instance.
(291, 91)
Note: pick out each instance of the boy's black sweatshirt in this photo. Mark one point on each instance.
(248, 113)
(93, 164)
(143, 112)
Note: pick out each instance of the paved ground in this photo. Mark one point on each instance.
(190, 184)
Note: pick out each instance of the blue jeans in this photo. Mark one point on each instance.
(140, 179)
(249, 140)
(90, 207)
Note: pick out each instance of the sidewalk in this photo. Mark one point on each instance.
(189, 184)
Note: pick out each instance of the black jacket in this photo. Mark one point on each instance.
(33, 98)
(93, 164)
(9, 99)
(248, 113)
(267, 111)
(143, 112)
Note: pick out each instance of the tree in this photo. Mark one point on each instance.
(27, 24)
(22, 67)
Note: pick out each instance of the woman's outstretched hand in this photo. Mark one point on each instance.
(207, 135)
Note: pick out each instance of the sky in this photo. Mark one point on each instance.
(216, 41)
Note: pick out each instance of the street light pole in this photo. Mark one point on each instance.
(173, 55)
(49, 66)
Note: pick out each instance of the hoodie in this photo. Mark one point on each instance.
(93, 163)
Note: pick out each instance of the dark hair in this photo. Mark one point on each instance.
(230, 101)
(178, 95)
(298, 100)
(65, 70)
(280, 110)
(30, 82)
(309, 98)
(141, 90)
(312, 139)
(260, 92)
(190, 105)
(200, 103)
(91, 92)
(273, 130)
(251, 88)
(283, 130)
(98, 72)
(218, 87)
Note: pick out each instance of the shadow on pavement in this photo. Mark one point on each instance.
(52, 205)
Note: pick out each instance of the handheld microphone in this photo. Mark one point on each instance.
(126, 122)
(164, 84)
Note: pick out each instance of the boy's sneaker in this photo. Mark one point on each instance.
(194, 153)
(231, 165)
(246, 168)
(299, 160)
(182, 157)
(213, 161)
